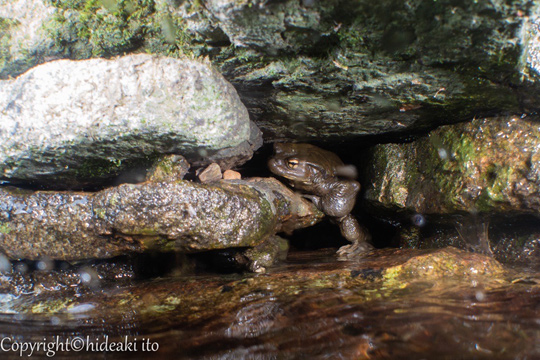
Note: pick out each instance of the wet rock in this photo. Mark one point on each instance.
(181, 215)
(487, 165)
(267, 254)
(168, 169)
(508, 239)
(69, 279)
(62, 126)
(211, 173)
(388, 270)
(231, 175)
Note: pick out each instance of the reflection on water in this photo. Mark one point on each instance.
(312, 307)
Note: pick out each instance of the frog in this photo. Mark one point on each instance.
(318, 174)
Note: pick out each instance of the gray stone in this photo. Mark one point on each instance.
(78, 123)
(180, 215)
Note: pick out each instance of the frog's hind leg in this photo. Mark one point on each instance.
(356, 234)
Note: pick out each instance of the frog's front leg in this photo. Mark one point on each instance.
(356, 234)
(316, 200)
(340, 198)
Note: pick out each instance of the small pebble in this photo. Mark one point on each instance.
(210, 174)
(231, 175)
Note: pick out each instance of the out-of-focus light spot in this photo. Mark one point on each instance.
(480, 296)
(418, 220)
(443, 154)
(89, 277)
(45, 265)
(5, 264)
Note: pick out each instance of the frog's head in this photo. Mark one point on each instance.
(303, 162)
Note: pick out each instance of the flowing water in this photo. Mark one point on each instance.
(312, 307)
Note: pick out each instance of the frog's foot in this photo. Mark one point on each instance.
(354, 251)
(355, 233)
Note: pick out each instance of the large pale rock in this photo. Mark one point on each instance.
(181, 215)
(76, 123)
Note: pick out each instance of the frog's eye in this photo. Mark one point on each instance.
(292, 163)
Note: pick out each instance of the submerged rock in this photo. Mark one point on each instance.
(69, 124)
(487, 165)
(179, 215)
(507, 238)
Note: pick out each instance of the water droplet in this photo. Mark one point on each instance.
(45, 265)
(480, 296)
(55, 320)
(443, 154)
(202, 153)
(5, 264)
(418, 220)
(89, 277)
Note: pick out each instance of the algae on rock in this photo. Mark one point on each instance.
(487, 165)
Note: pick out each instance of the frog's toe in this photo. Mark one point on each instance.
(353, 251)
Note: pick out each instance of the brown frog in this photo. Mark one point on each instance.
(316, 172)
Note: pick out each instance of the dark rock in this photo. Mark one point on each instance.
(508, 239)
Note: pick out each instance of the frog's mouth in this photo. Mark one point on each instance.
(294, 179)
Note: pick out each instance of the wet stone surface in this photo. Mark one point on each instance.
(161, 216)
(392, 304)
(486, 165)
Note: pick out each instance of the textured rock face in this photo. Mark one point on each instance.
(162, 216)
(74, 123)
(23, 38)
(325, 70)
(488, 165)
(338, 69)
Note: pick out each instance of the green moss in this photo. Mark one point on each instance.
(5, 228)
(100, 213)
(99, 168)
(500, 178)
(6, 26)
(85, 28)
